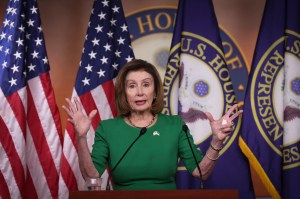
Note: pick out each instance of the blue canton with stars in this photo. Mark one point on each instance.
(22, 49)
(107, 46)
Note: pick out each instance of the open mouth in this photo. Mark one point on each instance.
(140, 102)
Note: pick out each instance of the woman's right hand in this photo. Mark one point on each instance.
(80, 122)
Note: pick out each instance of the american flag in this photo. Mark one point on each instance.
(106, 49)
(31, 135)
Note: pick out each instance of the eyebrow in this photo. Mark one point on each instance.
(149, 78)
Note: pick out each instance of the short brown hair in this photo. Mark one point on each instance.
(120, 94)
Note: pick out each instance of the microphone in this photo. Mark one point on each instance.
(185, 128)
(142, 132)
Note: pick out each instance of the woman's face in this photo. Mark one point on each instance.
(139, 91)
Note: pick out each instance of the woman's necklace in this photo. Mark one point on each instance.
(151, 122)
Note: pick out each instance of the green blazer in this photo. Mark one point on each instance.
(151, 163)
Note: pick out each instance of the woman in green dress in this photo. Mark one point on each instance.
(141, 146)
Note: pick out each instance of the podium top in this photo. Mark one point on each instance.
(157, 194)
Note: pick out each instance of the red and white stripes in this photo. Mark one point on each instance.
(100, 98)
(30, 141)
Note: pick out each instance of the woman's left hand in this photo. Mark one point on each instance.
(222, 127)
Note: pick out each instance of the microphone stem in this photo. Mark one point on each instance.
(200, 173)
(142, 132)
(125, 153)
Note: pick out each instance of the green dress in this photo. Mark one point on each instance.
(151, 163)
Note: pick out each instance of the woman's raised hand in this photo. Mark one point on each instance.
(81, 123)
(222, 127)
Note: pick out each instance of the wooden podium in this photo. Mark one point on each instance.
(156, 194)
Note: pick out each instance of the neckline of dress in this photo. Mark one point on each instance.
(150, 123)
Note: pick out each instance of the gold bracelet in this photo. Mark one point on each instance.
(215, 149)
(210, 158)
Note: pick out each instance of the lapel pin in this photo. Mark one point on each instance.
(155, 133)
